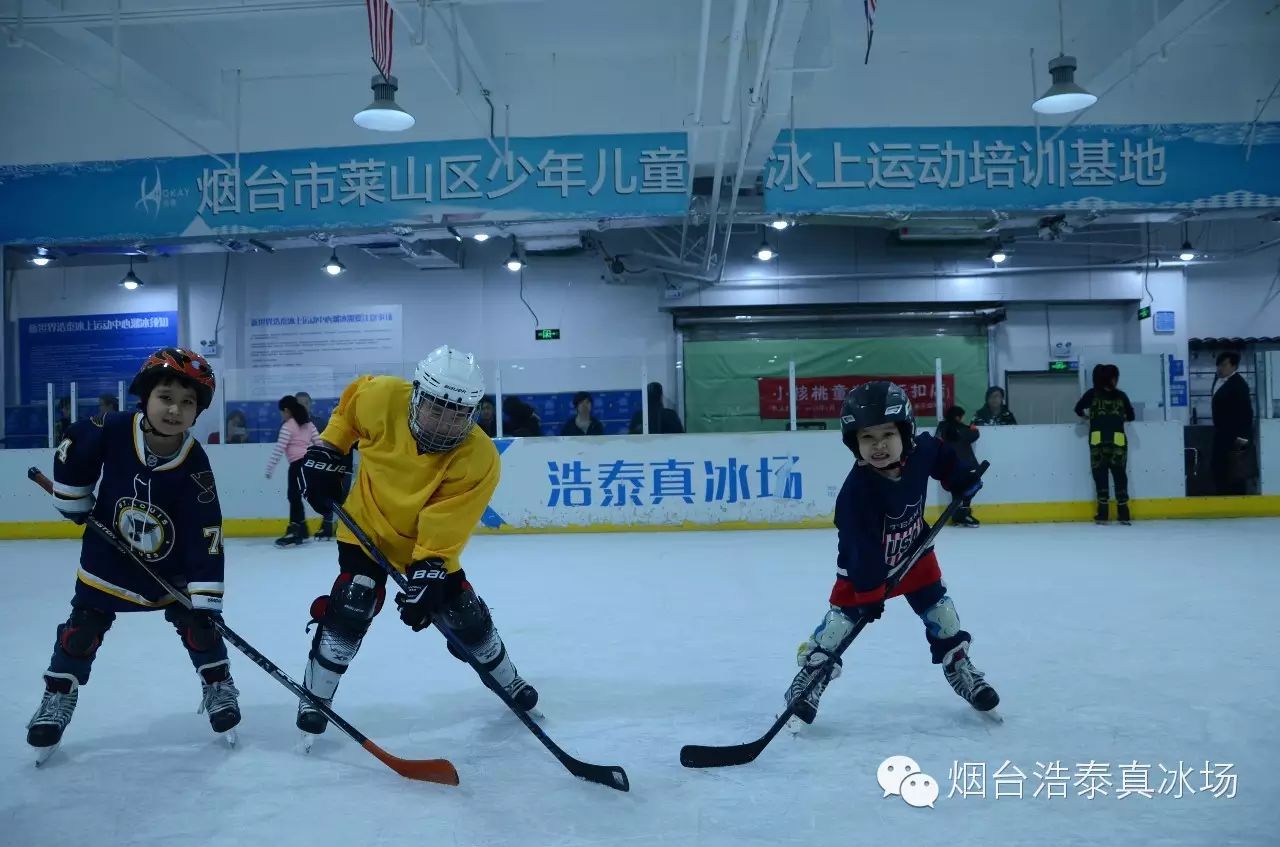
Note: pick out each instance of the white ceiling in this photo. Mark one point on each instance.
(596, 66)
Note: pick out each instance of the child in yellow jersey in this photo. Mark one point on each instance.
(426, 475)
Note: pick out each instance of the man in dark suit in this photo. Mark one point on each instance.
(1232, 426)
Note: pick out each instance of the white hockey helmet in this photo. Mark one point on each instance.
(447, 387)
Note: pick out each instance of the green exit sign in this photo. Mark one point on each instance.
(1144, 313)
(546, 335)
(1059, 366)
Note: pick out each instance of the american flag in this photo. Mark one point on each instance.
(869, 6)
(381, 26)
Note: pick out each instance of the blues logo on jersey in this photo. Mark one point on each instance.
(144, 525)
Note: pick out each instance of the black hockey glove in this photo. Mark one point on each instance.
(430, 589)
(965, 483)
(872, 611)
(324, 470)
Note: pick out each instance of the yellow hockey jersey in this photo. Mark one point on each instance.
(413, 506)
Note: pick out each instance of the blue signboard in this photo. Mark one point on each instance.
(1178, 392)
(1177, 368)
(1201, 166)
(94, 351)
(589, 176)
(1164, 322)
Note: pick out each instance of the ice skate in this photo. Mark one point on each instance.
(294, 535)
(1102, 517)
(967, 681)
(219, 699)
(806, 707)
(325, 532)
(964, 517)
(44, 730)
(1122, 514)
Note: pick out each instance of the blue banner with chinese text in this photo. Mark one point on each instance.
(1182, 166)
(94, 351)
(589, 176)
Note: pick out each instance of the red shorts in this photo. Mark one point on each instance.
(925, 572)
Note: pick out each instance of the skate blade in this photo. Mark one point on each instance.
(231, 737)
(305, 742)
(795, 726)
(992, 715)
(44, 753)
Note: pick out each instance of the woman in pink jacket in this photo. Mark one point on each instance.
(297, 433)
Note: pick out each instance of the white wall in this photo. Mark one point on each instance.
(1239, 299)
(611, 329)
(1025, 340)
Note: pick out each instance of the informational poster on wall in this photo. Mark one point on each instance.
(821, 397)
(319, 352)
(94, 351)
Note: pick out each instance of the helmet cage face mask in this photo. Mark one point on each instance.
(438, 424)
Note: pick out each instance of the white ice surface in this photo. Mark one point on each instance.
(1155, 644)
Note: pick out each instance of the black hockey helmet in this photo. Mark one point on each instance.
(875, 403)
(186, 367)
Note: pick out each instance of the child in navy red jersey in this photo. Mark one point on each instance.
(879, 515)
(155, 491)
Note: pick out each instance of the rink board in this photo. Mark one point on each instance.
(720, 481)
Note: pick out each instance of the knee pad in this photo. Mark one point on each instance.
(82, 634)
(350, 606)
(834, 629)
(941, 620)
(196, 631)
(468, 617)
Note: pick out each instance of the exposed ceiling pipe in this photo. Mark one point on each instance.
(699, 89)
(737, 41)
(163, 16)
(1135, 266)
(749, 123)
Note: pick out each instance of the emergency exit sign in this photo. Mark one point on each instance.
(546, 335)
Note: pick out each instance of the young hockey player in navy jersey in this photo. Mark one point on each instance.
(155, 491)
(879, 515)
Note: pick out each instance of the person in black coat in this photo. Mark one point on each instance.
(960, 435)
(661, 419)
(582, 423)
(521, 420)
(1232, 426)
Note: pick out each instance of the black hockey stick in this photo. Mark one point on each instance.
(425, 770)
(700, 756)
(611, 775)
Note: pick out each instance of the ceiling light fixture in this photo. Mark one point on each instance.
(131, 281)
(383, 114)
(764, 252)
(1187, 254)
(514, 263)
(1064, 95)
(780, 224)
(482, 237)
(998, 255)
(42, 257)
(333, 267)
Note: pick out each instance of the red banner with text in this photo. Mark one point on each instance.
(819, 397)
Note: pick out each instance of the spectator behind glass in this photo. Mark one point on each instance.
(304, 400)
(1232, 427)
(521, 420)
(954, 431)
(1107, 409)
(994, 412)
(297, 435)
(582, 423)
(237, 428)
(485, 419)
(107, 403)
(661, 419)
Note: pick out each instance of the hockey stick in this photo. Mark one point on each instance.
(425, 770)
(701, 756)
(611, 775)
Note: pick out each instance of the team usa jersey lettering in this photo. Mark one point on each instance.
(164, 507)
(879, 519)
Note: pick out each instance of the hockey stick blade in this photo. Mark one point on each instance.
(611, 776)
(439, 771)
(706, 756)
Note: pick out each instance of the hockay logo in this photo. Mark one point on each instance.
(155, 195)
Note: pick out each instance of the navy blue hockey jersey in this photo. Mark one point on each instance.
(165, 508)
(879, 519)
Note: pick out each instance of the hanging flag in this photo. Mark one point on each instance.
(381, 27)
(869, 6)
